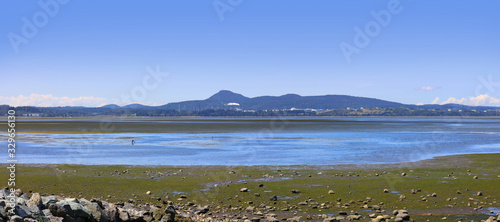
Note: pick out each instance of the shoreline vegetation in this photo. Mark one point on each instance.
(457, 188)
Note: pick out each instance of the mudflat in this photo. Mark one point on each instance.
(458, 187)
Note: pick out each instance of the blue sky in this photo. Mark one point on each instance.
(96, 52)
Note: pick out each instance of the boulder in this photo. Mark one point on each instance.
(25, 196)
(16, 218)
(110, 212)
(46, 201)
(135, 213)
(123, 215)
(95, 210)
(51, 217)
(4, 193)
(57, 210)
(35, 200)
(169, 214)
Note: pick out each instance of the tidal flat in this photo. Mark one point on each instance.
(459, 187)
(308, 169)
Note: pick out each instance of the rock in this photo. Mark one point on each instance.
(479, 193)
(148, 192)
(402, 197)
(35, 200)
(303, 203)
(274, 198)
(402, 212)
(95, 210)
(403, 216)
(257, 194)
(353, 217)
(168, 218)
(331, 219)
(51, 217)
(293, 219)
(76, 209)
(22, 211)
(378, 218)
(111, 212)
(244, 189)
(331, 192)
(413, 191)
(342, 213)
(123, 215)
(433, 195)
(18, 192)
(475, 177)
(57, 210)
(295, 191)
(403, 174)
(250, 209)
(255, 219)
(386, 191)
(4, 193)
(71, 200)
(271, 219)
(16, 218)
(46, 201)
(491, 219)
(25, 196)
(201, 210)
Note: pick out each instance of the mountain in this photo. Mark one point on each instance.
(110, 106)
(137, 106)
(221, 99)
(224, 102)
(227, 97)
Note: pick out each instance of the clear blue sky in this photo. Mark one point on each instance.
(99, 50)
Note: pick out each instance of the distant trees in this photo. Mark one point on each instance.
(158, 112)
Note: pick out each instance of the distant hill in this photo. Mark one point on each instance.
(226, 103)
(110, 106)
(288, 101)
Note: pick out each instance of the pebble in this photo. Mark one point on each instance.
(244, 189)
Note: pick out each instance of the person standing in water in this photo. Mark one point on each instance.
(133, 142)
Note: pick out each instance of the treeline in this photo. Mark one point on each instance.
(148, 112)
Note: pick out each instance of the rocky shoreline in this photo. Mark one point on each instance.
(18, 206)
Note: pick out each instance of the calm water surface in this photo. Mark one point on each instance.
(255, 141)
